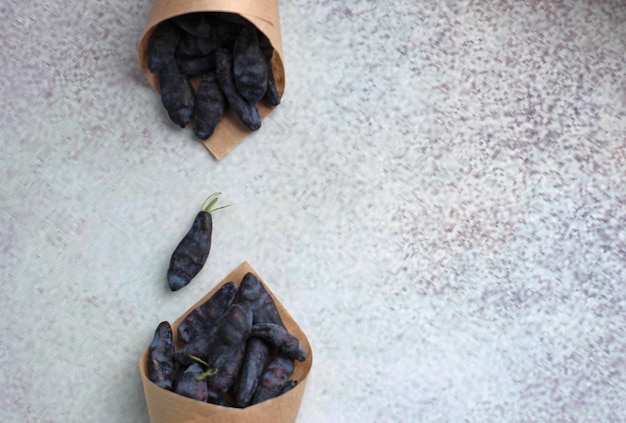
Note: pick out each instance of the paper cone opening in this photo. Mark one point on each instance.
(168, 407)
(261, 13)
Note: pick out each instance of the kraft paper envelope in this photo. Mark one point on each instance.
(263, 14)
(168, 407)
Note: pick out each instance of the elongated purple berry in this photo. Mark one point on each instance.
(273, 379)
(191, 253)
(190, 386)
(201, 318)
(161, 365)
(257, 352)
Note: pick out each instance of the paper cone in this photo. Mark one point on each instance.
(263, 14)
(168, 407)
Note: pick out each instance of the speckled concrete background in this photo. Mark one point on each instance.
(440, 202)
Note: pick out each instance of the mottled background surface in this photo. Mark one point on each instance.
(440, 201)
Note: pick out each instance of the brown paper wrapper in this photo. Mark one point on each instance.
(263, 14)
(168, 407)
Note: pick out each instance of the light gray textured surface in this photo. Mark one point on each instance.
(440, 202)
